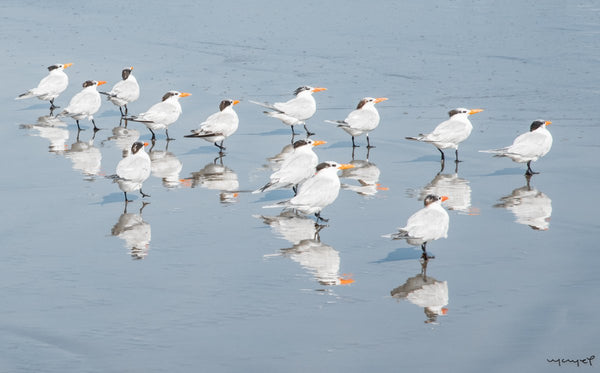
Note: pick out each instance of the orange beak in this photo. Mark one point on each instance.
(67, 64)
(346, 281)
(378, 100)
(131, 68)
(319, 89)
(548, 122)
(235, 102)
(184, 94)
(318, 142)
(102, 82)
(146, 144)
(444, 198)
(345, 166)
(475, 111)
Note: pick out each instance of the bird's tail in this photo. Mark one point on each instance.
(398, 235)
(25, 95)
(136, 119)
(277, 205)
(263, 104)
(264, 188)
(497, 152)
(421, 137)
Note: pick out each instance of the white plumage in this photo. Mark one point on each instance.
(163, 114)
(51, 86)
(85, 103)
(124, 91)
(220, 125)
(134, 169)
(362, 120)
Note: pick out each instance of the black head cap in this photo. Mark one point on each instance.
(88, 83)
(126, 72)
(224, 104)
(364, 101)
(324, 165)
(430, 199)
(53, 67)
(300, 143)
(136, 147)
(536, 124)
(301, 89)
(457, 111)
(170, 94)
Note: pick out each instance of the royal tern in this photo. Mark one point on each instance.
(133, 170)
(85, 103)
(428, 224)
(124, 137)
(317, 192)
(450, 133)
(51, 86)
(528, 147)
(162, 115)
(362, 120)
(296, 168)
(297, 110)
(220, 125)
(125, 91)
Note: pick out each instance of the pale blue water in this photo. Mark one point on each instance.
(218, 289)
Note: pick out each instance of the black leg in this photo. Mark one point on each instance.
(126, 110)
(456, 153)
(144, 194)
(295, 189)
(353, 144)
(52, 106)
(167, 133)
(121, 110)
(318, 215)
(77, 120)
(529, 170)
(369, 146)
(425, 255)
(308, 133)
(126, 200)
(95, 128)
(443, 158)
(293, 133)
(220, 146)
(153, 135)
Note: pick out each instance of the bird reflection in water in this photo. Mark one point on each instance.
(123, 137)
(321, 260)
(426, 292)
(165, 166)
(216, 176)
(136, 233)
(366, 174)
(86, 157)
(53, 129)
(530, 206)
(450, 184)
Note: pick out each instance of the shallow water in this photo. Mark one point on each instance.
(225, 285)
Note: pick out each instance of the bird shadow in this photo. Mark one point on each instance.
(506, 171)
(403, 253)
(114, 198)
(275, 195)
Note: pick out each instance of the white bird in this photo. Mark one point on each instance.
(362, 120)
(450, 133)
(85, 103)
(428, 224)
(297, 110)
(133, 170)
(51, 86)
(296, 168)
(319, 191)
(528, 147)
(220, 125)
(125, 91)
(162, 115)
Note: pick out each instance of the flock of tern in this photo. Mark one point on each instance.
(315, 185)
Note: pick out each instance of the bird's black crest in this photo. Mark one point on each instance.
(455, 111)
(224, 104)
(300, 89)
(53, 67)
(430, 199)
(362, 103)
(300, 143)
(136, 147)
(88, 83)
(323, 165)
(125, 73)
(168, 94)
(536, 124)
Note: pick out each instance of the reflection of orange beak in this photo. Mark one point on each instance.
(319, 89)
(378, 100)
(346, 281)
(67, 65)
(102, 82)
(235, 102)
(444, 311)
(475, 111)
(444, 198)
(379, 187)
(345, 166)
(187, 183)
(184, 94)
(318, 142)
(547, 122)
